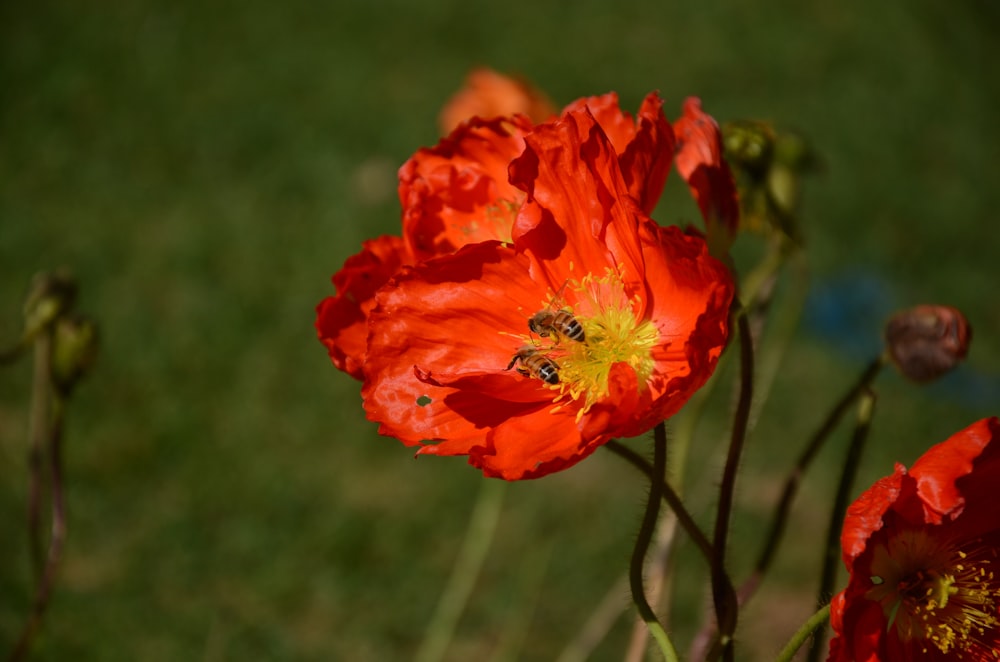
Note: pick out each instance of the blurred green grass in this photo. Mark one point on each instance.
(204, 168)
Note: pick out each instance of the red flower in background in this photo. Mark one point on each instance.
(488, 94)
(921, 547)
(458, 193)
(651, 304)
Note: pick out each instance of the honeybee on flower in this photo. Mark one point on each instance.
(555, 321)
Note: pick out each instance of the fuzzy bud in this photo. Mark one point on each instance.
(927, 341)
(51, 295)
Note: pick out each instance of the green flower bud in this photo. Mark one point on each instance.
(74, 349)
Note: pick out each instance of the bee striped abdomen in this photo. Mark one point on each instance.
(560, 323)
(535, 364)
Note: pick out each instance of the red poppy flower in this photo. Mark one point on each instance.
(921, 547)
(700, 162)
(488, 94)
(446, 335)
(458, 193)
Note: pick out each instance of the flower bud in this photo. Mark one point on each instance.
(74, 348)
(927, 341)
(51, 295)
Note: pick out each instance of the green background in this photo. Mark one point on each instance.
(204, 167)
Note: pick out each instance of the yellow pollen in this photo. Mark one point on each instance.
(941, 596)
(613, 334)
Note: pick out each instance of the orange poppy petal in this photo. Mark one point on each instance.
(532, 446)
(578, 211)
(488, 94)
(341, 320)
(700, 162)
(457, 192)
(644, 144)
(646, 161)
(440, 321)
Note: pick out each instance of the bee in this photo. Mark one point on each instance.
(535, 364)
(559, 323)
(556, 322)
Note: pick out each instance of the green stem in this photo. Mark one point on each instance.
(866, 409)
(799, 638)
(724, 600)
(478, 538)
(794, 478)
(642, 545)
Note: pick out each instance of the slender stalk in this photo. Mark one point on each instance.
(478, 538)
(780, 519)
(40, 434)
(724, 600)
(673, 500)
(642, 545)
(866, 409)
(46, 581)
(799, 638)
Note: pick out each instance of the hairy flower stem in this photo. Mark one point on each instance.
(642, 544)
(478, 538)
(46, 579)
(668, 494)
(831, 553)
(799, 638)
(780, 519)
(723, 597)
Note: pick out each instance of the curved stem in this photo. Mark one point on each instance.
(724, 600)
(668, 494)
(799, 638)
(794, 478)
(478, 538)
(642, 544)
(866, 409)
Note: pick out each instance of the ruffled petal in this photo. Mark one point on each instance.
(644, 144)
(579, 213)
(532, 446)
(457, 192)
(341, 320)
(939, 470)
(646, 161)
(699, 158)
(443, 320)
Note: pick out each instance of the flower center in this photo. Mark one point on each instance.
(934, 592)
(614, 334)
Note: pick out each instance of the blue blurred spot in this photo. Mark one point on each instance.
(849, 311)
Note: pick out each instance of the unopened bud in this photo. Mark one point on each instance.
(51, 295)
(74, 349)
(927, 341)
(749, 145)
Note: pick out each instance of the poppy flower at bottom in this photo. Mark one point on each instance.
(921, 547)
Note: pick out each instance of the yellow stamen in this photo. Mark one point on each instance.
(614, 334)
(933, 592)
